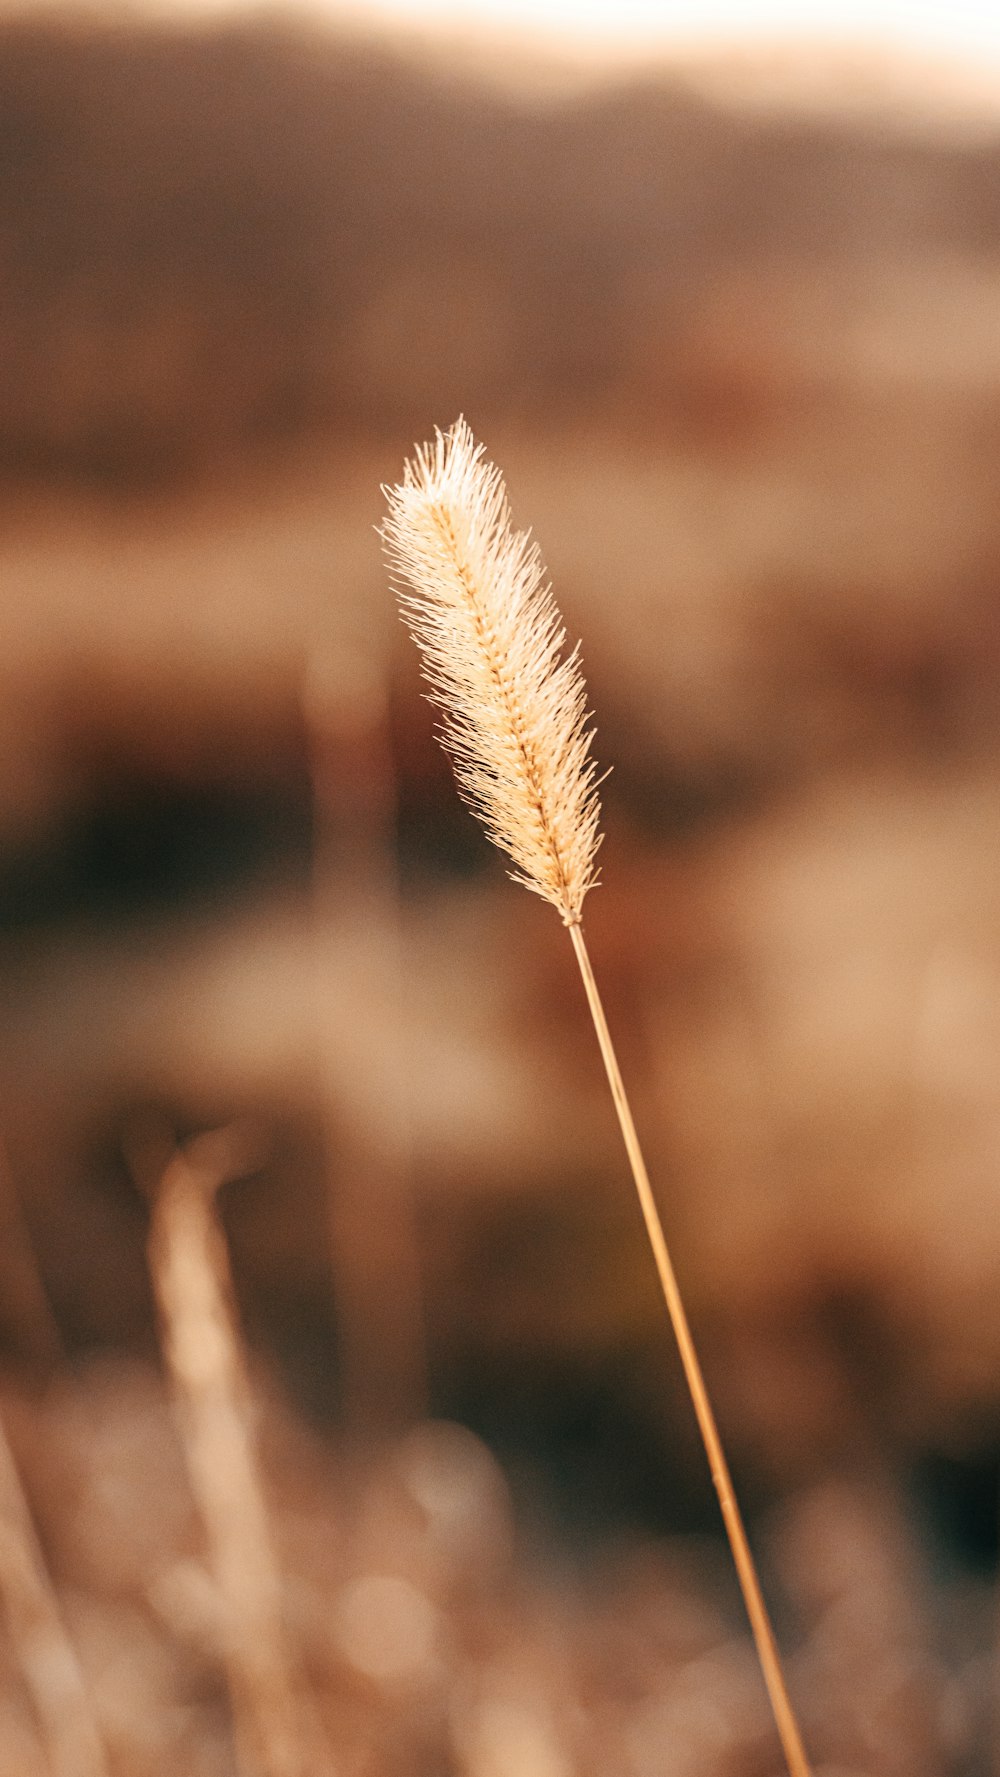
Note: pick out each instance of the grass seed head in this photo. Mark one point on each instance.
(514, 702)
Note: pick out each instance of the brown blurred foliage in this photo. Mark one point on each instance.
(740, 364)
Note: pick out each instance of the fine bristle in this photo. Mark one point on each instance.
(473, 593)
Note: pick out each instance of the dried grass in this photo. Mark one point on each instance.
(190, 1271)
(472, 593)
(515, 706)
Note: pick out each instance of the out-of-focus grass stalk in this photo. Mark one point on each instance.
(374, 1244)
(191, 1278)
(41, 1645)
(514, 703)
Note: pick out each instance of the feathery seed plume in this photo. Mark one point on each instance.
(473, 594)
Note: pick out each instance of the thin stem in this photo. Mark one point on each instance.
(760, 1622)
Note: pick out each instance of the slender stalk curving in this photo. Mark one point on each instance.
(515, 725)
(760, 1622)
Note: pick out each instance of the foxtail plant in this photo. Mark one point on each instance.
(514, 705)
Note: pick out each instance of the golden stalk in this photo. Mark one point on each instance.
(515, 726)
(191, 1278)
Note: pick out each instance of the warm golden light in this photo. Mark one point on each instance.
(933, 28)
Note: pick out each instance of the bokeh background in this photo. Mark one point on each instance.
(727, 316)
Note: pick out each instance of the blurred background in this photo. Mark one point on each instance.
(722, 300)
